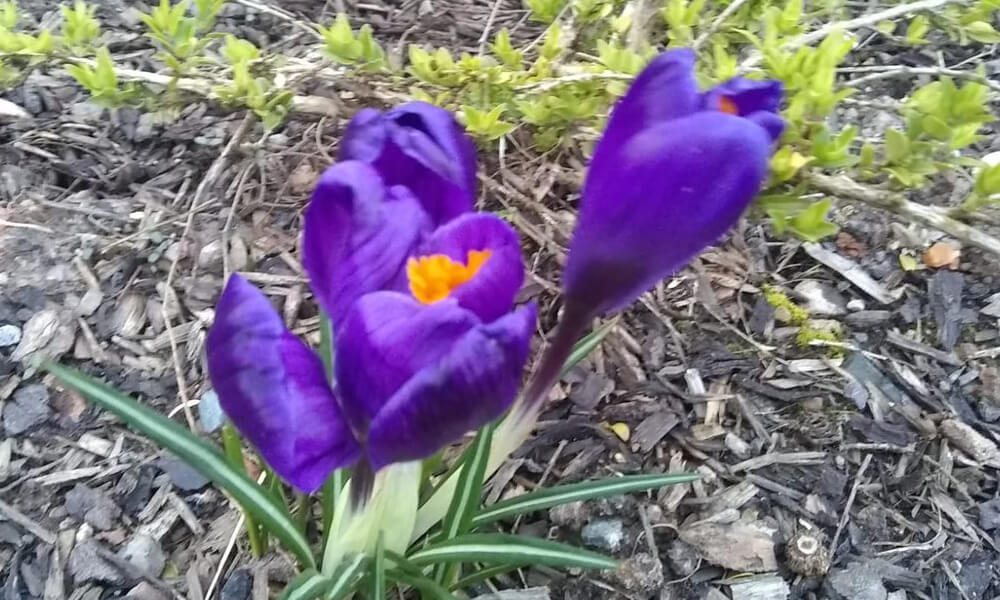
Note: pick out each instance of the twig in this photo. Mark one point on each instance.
(282, 14)
(32, 226)
(207, 181)
(885, 72)
(931, 216)
(548, 84)
(488, 27)
(717, 23)
(847, 507)
(863, 21)
(317, 106)
(25, 521)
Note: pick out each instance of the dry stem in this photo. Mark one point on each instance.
(931, 216)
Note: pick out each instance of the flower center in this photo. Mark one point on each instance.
(432, 278)
(727, 106)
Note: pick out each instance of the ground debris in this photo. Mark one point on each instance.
(767, 587)
(970, 441)
(738, 546)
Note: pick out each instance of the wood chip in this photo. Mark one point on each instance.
(738, 546)
(970, 441)
(852, 272)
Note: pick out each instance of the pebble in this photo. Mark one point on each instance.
(93, 507)
(821, 298)
(10, 335)
(606, 534)
(145, 553)
(181, 475)
(210, 412)
(855, 304)
(858, 582)
(29, 408)
(87, 564)
(238, 586)
(145, 591)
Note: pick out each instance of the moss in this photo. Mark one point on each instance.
(778, 299)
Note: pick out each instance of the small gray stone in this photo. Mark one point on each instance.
(10, 335)
(821, 298)
(29, 408)
(92, 506)
(145, 553)
(86, 111)
(181, 474)
(855, 304)
(858, 582)
(210, 412)
(571, 514)
(683, 557)
(640, 575)
(86, 563)
(145, 591)
(238, 586)
(606, 534)
(989, 514)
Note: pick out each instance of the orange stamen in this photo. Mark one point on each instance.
(727, 106)
(433, 278)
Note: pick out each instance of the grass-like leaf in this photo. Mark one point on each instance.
(588, 490)
(465, 503)
(346, 578)
(377, 587)
(426, 587)
(587, 344)
(196, 452)
(309, 585)
(509, 549)
(482, 575)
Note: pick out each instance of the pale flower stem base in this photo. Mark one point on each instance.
(391, 512)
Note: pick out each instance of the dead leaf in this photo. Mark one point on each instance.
(303, 178)
(738, 546)
(850, 245)
(942, 254)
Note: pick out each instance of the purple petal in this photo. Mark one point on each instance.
(665, 89)
(772, 123)
(422, 147)
(357, 236)
(473, 384)
(671, 191)
(386, 338)
(490, 293)
(747, 95)
(270, 384)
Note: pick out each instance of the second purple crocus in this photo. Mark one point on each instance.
(673, 171)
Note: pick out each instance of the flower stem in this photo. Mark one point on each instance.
(568, 331)
(234, 454)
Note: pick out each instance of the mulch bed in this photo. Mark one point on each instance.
(862, 469)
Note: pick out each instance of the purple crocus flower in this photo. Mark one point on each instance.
(673, 171)
(415, 369)
(419, 146)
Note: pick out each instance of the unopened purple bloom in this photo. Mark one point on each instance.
(672, 173)
(419, 146)
(416, 368)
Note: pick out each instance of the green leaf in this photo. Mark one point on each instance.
(427, 588)
(983, 32)
(309, 585)
(194, 451)
(897, 147)
(587, 490)
(465, 502)
(509, 549)
(587, 344)
(918, 28)
(377, 579)
(346, 578)
(988, 181)
(811, 224)
(481, 575)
